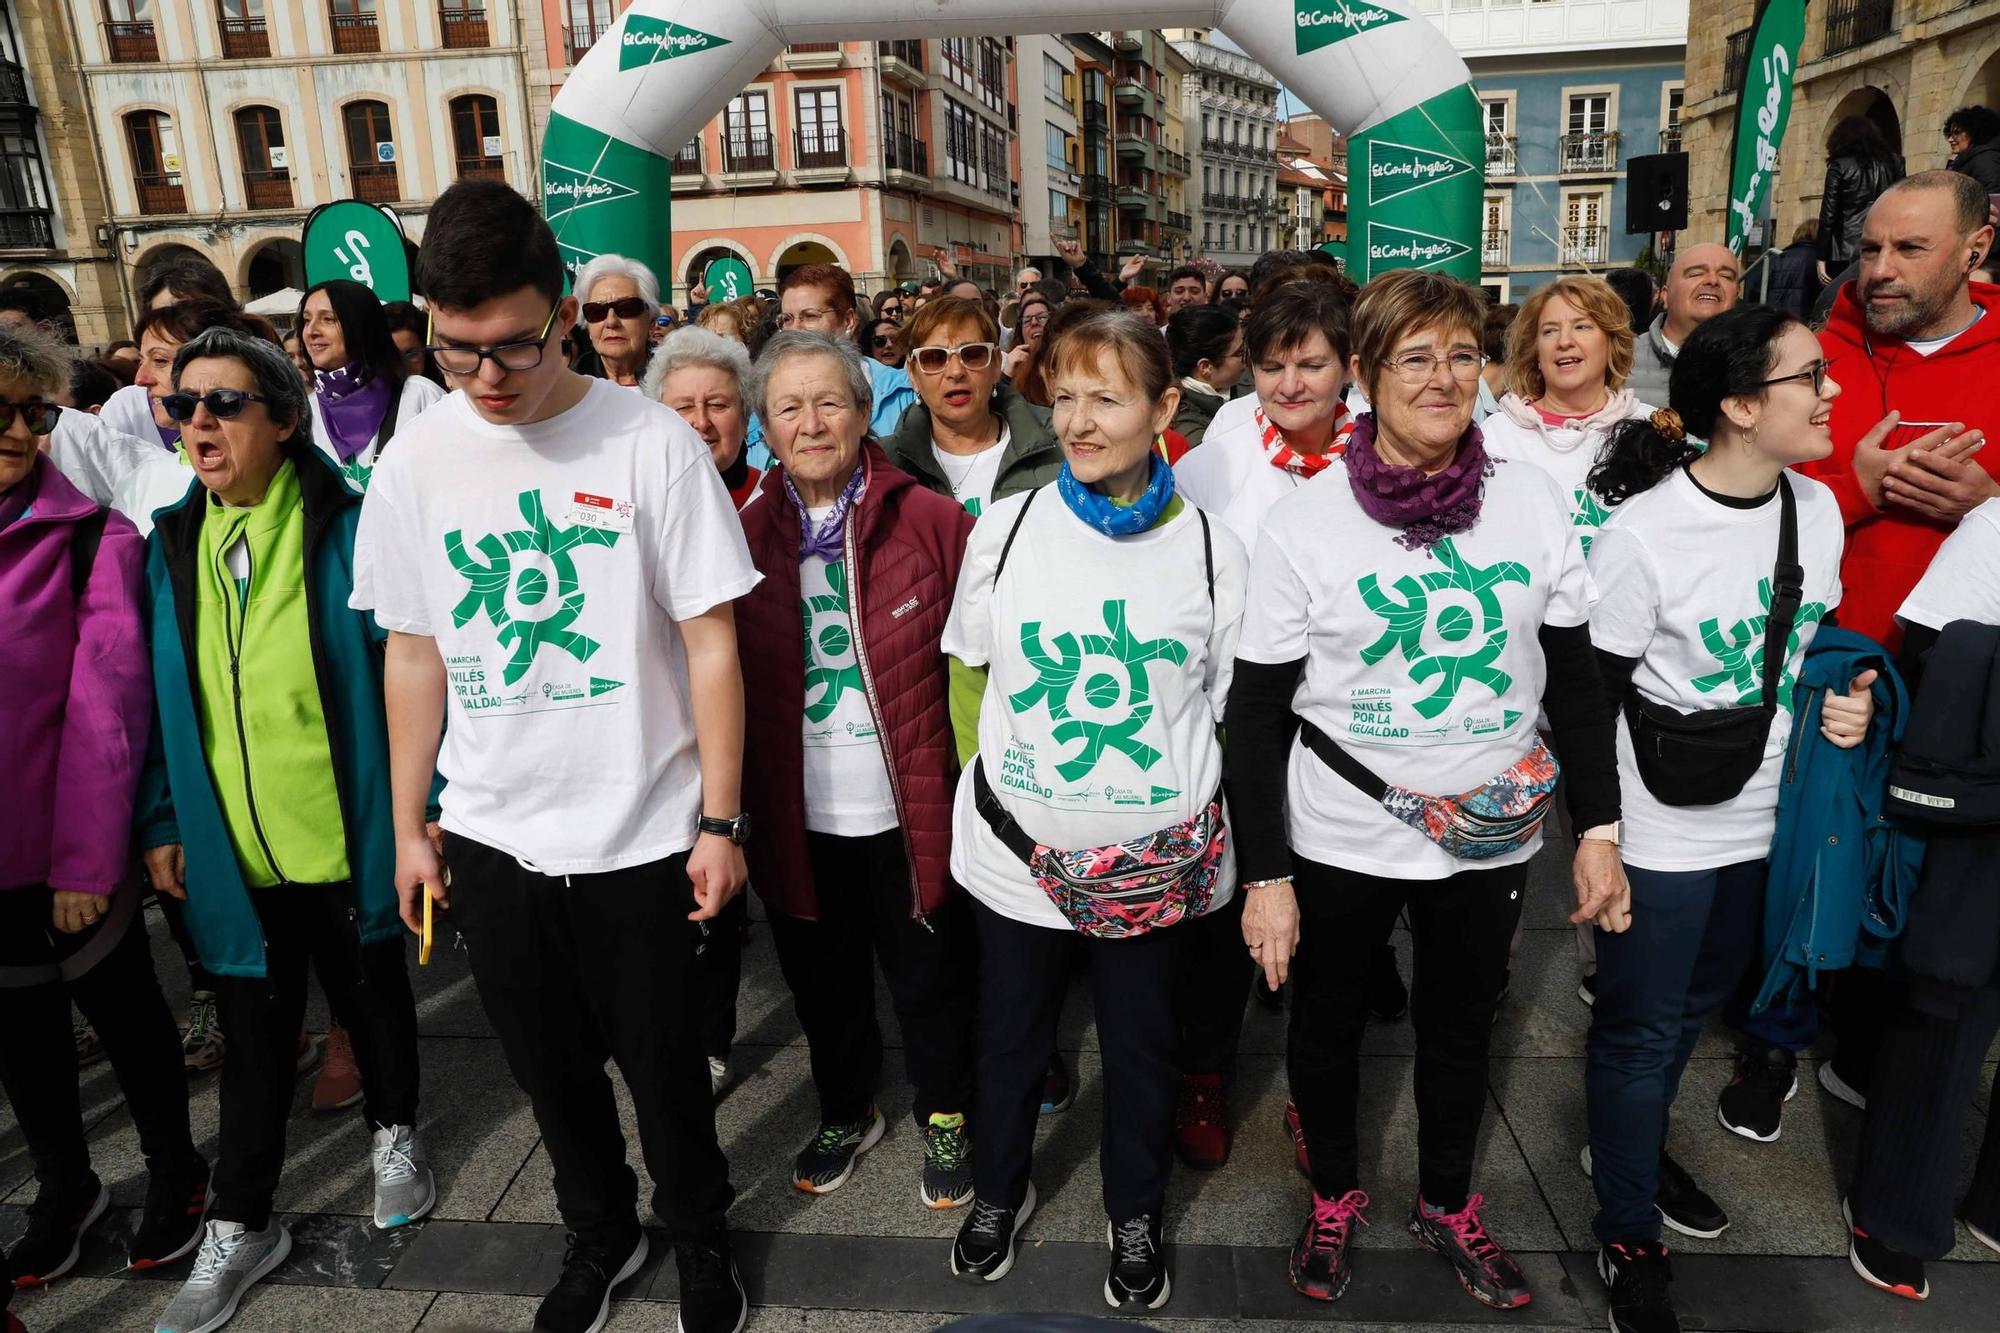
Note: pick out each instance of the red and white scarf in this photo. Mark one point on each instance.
(1282, 455)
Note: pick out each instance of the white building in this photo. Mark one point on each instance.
(1237, 214)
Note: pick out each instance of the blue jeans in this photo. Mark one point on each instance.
(1692, 934)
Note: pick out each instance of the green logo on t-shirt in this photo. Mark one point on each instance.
(357, 473)
(1484, 637)
(1590, 512)
(1104, 691)
(828, 639)
(1740, 652)
(533, 619)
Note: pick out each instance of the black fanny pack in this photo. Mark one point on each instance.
(1705, 757)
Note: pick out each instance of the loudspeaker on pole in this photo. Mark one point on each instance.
(1656, 193)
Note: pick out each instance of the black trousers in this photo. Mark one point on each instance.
(1212, 977)
(176, 915)
(121, 997)
(863, 891)
(574, 970)
(1461, 929)
(1023, 973)
(306, 927)
(1925, 1079)
(718, 975)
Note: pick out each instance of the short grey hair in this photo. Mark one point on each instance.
(791, 345)
(692, 345)
(36, 357)
(277, 378)
(618, 266)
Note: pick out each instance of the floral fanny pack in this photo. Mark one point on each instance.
(1501, 815)
(1125, 889)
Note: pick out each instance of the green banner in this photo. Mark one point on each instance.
(1763, 112)
(728, 279)
(604, 196)
(1415, 188)
(352, 239)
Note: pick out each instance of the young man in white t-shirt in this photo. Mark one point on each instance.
(557, 558)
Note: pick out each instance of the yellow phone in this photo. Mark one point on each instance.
(424, 949)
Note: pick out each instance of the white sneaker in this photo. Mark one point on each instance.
(404, 1189)
(230, 1261)
(718, 1076)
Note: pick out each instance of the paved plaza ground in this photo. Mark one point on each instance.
(870, 1258)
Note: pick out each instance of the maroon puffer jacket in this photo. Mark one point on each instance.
(910, 543)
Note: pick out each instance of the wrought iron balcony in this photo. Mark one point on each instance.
(1493, 248)
(687, 162)
(27, 229)
(13, 85)
(1589, 151)
(1586, 245)
(1852, 23)
(1500, 155)
(908, 154)
(583, 36)
(819, 150)
(749, 152)
(1670, 139)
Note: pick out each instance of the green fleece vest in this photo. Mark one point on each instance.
(263, 727)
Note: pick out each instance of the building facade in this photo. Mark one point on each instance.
(1312, 186)
(1051, 139)
(1235, 103)
(1904, 64)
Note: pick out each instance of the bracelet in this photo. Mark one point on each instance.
(1286, 880)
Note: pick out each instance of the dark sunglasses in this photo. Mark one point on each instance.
(40, 416)
(222, 404)
(625, 307)
(885, 340)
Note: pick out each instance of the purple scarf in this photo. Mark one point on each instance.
(1427, 508)
(352, 411)
(829, 543)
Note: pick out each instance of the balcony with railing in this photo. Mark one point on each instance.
(160, 192)
(1852, 23)
(1586, 245)
(27, 229)
(901, 60)
(583, 36)
(268, 189)
(355, 33)
(744, 151)
(1178, 222)
(482, 168)
(812, 55)
(1096, 187)
(132, 43)
(1129, 89)
(1173, 163)
(1670, 139)
(1493, 248)
(1133, 139)
(906, 155)
(1588, 151)
(463, 28)
(245, 38)
(823, 149)
(687, 162)
(374, 182)
(1096, 116)
(13, 84)
(1500, 155)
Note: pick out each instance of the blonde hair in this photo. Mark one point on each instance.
(1599, 302)
(743, 313)
(1397, 304)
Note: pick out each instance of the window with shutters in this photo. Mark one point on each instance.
(371, 152)
(260, 138)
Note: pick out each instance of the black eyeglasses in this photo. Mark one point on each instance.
(625, 307)
(40, 416)
(1816, 372)
(222, 404)
(465, 361)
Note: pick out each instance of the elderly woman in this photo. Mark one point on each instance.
(74, 733)
(1206, 343)
(621, 300)
(1092, 812)
(1383, 758)
(361, 384)
(732, 319)
(266, 806)
(703, 376)
(851, 808)
(969, 436)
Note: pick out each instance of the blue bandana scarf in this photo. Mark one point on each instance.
(1115, 520)
(829, 543)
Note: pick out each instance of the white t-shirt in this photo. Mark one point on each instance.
(1963, 581)
(1931, 346)
(846, 777)
(1107, 732)
(550, 563)
(1683, 585)
(1566, 453)
(129, 411)
(418, 394)
(1230, 476)
(1424, 665)
(95, 457)
(972, 478)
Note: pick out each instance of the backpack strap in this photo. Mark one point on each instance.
(1787, 591)
(387, 430)
(1207, 555)
(84, 538)
(1014, 532)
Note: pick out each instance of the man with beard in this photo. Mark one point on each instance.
(1912, 335)
(1705, 280)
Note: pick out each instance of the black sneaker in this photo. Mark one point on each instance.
(1138, 1278)
(1058, 1088)
(712, 1299)
(171, 1225)
(57, 1222)
(1637, 1278)
(1388, 997)
(824, 1165)
(1753, 1104)
(1686, 1206)
(580, 1302)
(1586, 990)
(984, 1250)
(1882, 1267)
(947, 1181)
(1487, 1272)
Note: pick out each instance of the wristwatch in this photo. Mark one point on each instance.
(737, 830)
(1613, 833)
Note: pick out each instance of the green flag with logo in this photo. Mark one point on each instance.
(1414, 189)
(356, 240)
(1763, 112)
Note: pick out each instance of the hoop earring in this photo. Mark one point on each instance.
(1750, 437)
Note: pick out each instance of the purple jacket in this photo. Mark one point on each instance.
(80, 696)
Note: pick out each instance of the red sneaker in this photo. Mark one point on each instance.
(1298, 1134)
(1201, 1122)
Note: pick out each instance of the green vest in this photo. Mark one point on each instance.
(263, 725)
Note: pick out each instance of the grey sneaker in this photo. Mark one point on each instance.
(404, 1190)
(230, 1261)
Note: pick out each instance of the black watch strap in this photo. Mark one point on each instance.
(737, 830)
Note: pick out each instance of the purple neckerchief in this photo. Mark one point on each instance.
(170, 434)
(1427, 507)
(829, 542)
(353, 411)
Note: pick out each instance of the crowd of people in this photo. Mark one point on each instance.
(491, 617)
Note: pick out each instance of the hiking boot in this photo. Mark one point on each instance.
(1319, 1266)
(171, 1225)
(1881, 1267)
(89, 1046)
(1138, 1278)
(1686, 1206)
(1853, 1091)
(230, 1261)
(1058, 1089)
(824, 1165)
(1201, 1122)
(339, 1083)
(947, 1161)
(984, 1249)
(580, 1301)
(712, 1299)
(1298, 1136)
(1388, 997)
(1636, 1276)
(404, 1190)
(1753, 1104)
(1487, 1272)
(58, 1220)
(201, 1044)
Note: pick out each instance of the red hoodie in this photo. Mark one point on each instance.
(1888, 550)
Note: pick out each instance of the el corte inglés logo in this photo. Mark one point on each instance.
(565, 188)
(647, 41)
(1392, 247)
(1397, 169)
(1321, 23)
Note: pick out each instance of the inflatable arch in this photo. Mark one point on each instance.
(1377, 70)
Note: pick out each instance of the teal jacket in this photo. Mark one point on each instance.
(177, 802)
